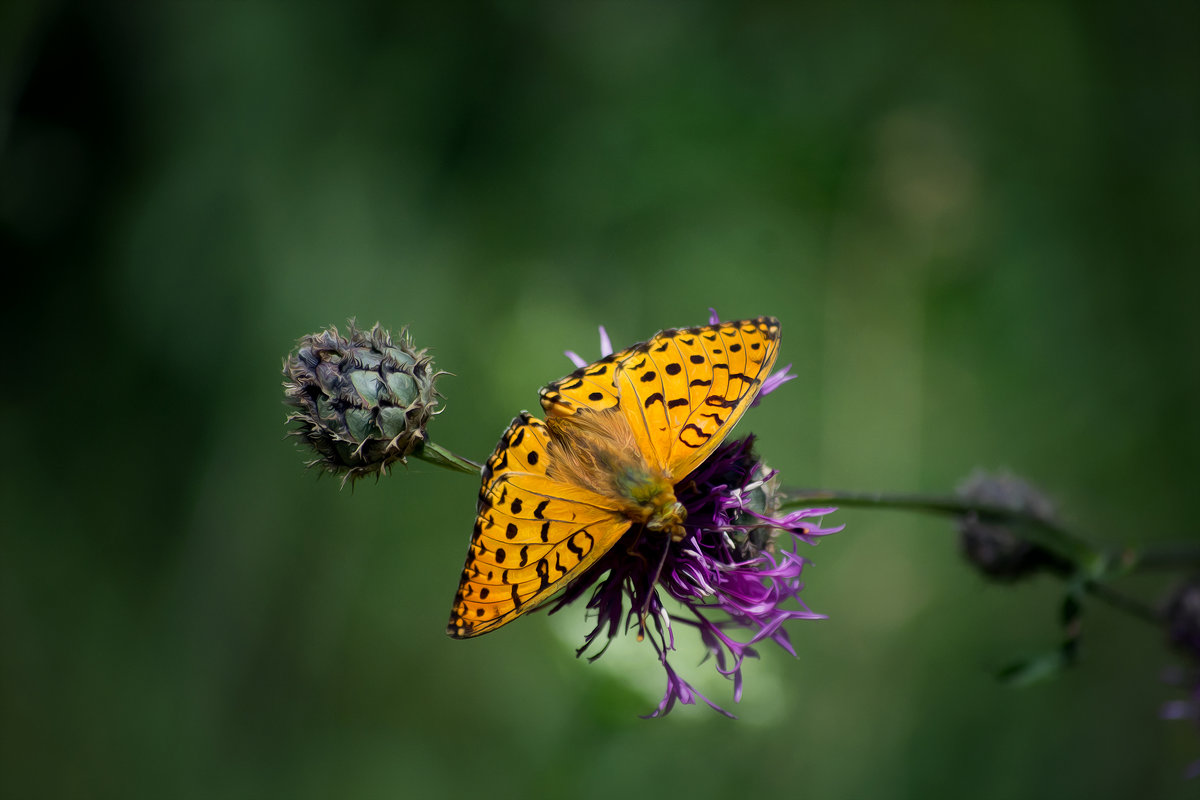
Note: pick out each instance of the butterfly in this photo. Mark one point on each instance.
(619, 435)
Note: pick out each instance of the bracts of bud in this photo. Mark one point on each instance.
(360, 402)
(996, 547)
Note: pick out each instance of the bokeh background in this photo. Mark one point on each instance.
(977, 222)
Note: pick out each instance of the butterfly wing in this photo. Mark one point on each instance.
(682, 391)
(533, 535)
(593, 386)
(687, 388)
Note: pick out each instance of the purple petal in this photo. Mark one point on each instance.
(575, 358)
(777, 379)
(605, 344)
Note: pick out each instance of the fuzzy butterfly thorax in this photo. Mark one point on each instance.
(598, 450)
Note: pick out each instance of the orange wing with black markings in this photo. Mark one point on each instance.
(532, 535)
(682, 391)
(686, 389)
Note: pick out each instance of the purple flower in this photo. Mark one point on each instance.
(1182, 614)
(735, 574)
(1187, 708)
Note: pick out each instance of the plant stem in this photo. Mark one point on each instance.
(1123, 602)
(1038, 529)
(1096, 565)
(1171, 555)
(436, 454)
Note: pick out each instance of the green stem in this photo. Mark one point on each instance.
(1038, 529)
(1095, 565)
(1171, 555)
(1125, 603)
(436, 454)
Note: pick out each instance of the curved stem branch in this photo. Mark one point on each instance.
(1038, 529)
(1120, 600)
(1170, 555)
(1093, 564)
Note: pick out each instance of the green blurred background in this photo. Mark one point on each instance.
(977, 222)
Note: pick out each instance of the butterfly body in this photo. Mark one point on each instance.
(598, 450)
(619, 435)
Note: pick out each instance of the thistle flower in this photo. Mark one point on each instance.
(361, 401)
(735, 570)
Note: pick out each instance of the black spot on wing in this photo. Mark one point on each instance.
(693, 429)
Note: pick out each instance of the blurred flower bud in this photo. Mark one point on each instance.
(362, 402)
(991, 544)
(1183, 617)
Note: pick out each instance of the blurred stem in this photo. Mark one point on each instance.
(436, 454)
(1174, 555)
(1094, 564)
(1090, 559)
(1124, 602)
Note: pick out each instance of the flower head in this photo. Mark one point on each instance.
(735, 573)
(360, 401)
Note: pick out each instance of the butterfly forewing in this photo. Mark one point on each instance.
(532, 534)
(685, 389)
(592, 386)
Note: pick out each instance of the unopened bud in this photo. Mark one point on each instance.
(992, 544)
(361, 402)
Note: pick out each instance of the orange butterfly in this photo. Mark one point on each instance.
(620, 434)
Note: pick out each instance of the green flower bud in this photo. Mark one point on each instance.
(761, 496)
(362, 402)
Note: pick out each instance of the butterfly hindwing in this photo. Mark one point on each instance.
(532, 534)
